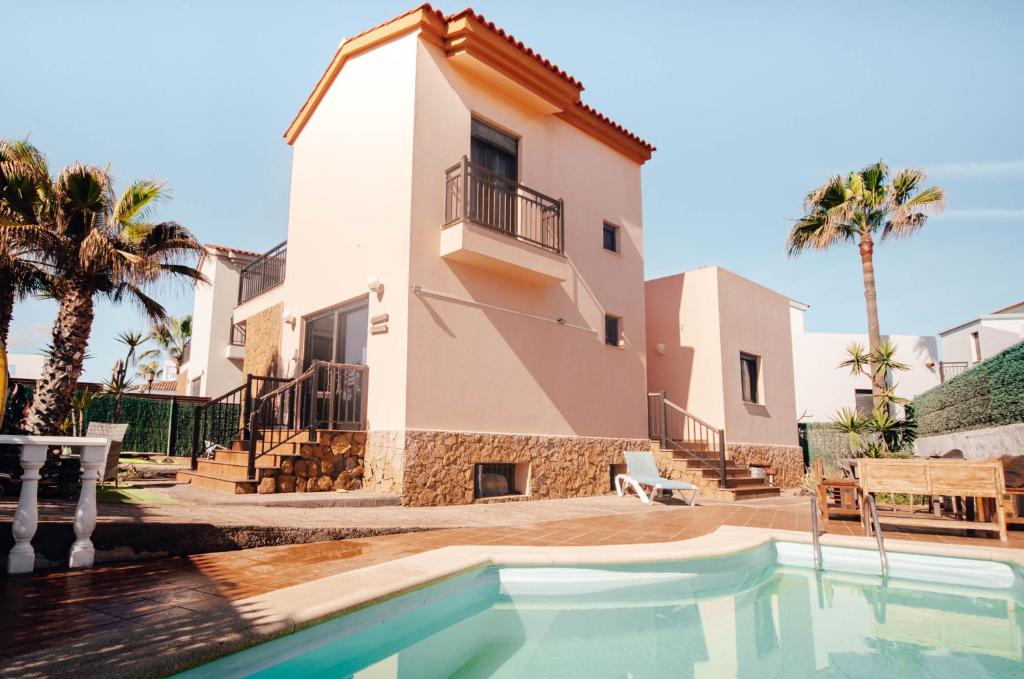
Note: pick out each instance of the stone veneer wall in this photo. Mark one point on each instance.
(263, 342)
(384, 460)
(439, 464)
(787, 460)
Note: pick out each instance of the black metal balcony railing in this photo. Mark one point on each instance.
(263, 273)
(476, 194)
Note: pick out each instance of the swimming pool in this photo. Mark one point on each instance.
(760, 613)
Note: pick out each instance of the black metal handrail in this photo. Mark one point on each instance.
(263, 273)
(327, 396)
(222, 420)
(950, 369)
(681, 431)
(474, 193)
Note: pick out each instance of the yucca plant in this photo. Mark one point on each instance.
(97, 243)
(860, 208)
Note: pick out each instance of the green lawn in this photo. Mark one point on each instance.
(132, 496)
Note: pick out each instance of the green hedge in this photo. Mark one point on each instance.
(148, 420)
(818, 439)
(990, 394)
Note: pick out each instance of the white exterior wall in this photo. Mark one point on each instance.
(822, 388)
(25, 366)
(995, 333)
(211, 328)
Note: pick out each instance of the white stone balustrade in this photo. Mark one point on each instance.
(21, 558)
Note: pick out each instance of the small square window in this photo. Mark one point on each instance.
(863, 401)
(612, 330)
(750, 374)
(611, 237)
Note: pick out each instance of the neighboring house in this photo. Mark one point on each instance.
(213, 357)
(823, 388)
(974, 341)
(163, 387)
(719, 346)
(496, 220)
(25, 366)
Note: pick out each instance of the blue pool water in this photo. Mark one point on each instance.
(759, 614)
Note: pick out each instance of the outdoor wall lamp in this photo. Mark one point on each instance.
(375, 284)
(660, 348)
(289, 318)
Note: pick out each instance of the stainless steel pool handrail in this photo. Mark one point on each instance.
(873, 509)
(814, 534)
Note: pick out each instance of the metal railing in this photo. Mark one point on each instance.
(683, 432)
(950, 369)
(263, 273)
(222, 420)
(873, 523)
(815, 534)
(474, 193)
(237, 334)
(326, 396)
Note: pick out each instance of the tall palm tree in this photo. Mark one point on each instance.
(99, 244)
(860, 208)
(21, 166)
(171, 335)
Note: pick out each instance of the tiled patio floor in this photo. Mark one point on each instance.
(47, 609)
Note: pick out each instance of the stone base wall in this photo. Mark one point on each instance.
(334, 462)
(438, 466)
(787, 460)
(263, 341)
(385, 459)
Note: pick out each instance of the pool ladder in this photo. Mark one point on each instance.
(873, 510)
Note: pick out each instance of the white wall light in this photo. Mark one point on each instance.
(660, 348)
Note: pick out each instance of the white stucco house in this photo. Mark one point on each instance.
(823, 388)
(973, 341)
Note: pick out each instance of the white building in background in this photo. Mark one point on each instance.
(983, 337)
(213, 362)
(25, 366)
(823, 388)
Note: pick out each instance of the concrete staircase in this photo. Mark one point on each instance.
(226, 471)
(693, 463)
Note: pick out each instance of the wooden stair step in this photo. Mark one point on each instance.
(229, 470)
(240, 457)
(751, 492)
(236, 486)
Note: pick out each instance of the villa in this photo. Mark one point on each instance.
(966, 344)
(465, 249)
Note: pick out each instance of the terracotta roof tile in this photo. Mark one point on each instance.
(1011, 309)
(608, 121)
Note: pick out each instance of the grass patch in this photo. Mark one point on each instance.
(132, 496)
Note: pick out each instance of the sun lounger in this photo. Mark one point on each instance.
(641, 471)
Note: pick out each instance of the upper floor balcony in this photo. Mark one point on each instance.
(497, 223)
(263, 273)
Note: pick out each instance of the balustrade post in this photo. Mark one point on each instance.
(314, 398)
(722, 482)
(247, 406)
(465, 187)
(250, 466)
(197, 413)
(664, 421)
(82, 551)
(22, 558)
(561, 226)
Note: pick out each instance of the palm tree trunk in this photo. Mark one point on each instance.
(867, 263)
(6, 311)
(56, 388)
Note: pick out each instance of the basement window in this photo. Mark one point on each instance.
(491, 479)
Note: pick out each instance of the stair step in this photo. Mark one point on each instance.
(242, 458)
(237, 486)
(750, 492)
(230, 470)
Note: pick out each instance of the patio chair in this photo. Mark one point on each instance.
(115, 433)
(641, 471)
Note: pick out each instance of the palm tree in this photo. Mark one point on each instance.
(859, 208)
(99, 244)
(172, 336)
(21, 165)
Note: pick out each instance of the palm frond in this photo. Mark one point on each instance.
(858, 359)
(136, 202)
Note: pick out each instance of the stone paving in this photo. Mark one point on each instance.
(45, 610)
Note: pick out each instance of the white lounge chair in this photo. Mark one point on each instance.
(641, 471)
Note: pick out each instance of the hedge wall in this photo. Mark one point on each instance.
(990, 394)
(148, 420)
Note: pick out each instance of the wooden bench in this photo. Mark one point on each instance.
(955, 478)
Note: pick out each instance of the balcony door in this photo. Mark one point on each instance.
(337, 336)
(493, 192)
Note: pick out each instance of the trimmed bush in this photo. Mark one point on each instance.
(990, 394)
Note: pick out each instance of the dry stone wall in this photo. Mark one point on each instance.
(439, 464)
(788, 461)
(335, 462)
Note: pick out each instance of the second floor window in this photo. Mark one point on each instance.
(750, 369)
(611, 237)
(612, 330)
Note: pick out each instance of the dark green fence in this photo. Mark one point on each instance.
(990, 394)
(155, 424)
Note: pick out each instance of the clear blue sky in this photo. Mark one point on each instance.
(750, 104)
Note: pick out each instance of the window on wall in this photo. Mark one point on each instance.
(612, 330)
(863, 401)
(195, 386)
(611, 237)
(975, 347)
(750, 375)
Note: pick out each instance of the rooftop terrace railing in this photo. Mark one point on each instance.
(474, 193)
(263, 273)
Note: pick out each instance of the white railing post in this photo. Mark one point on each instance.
(22, 558)
(82, 551)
